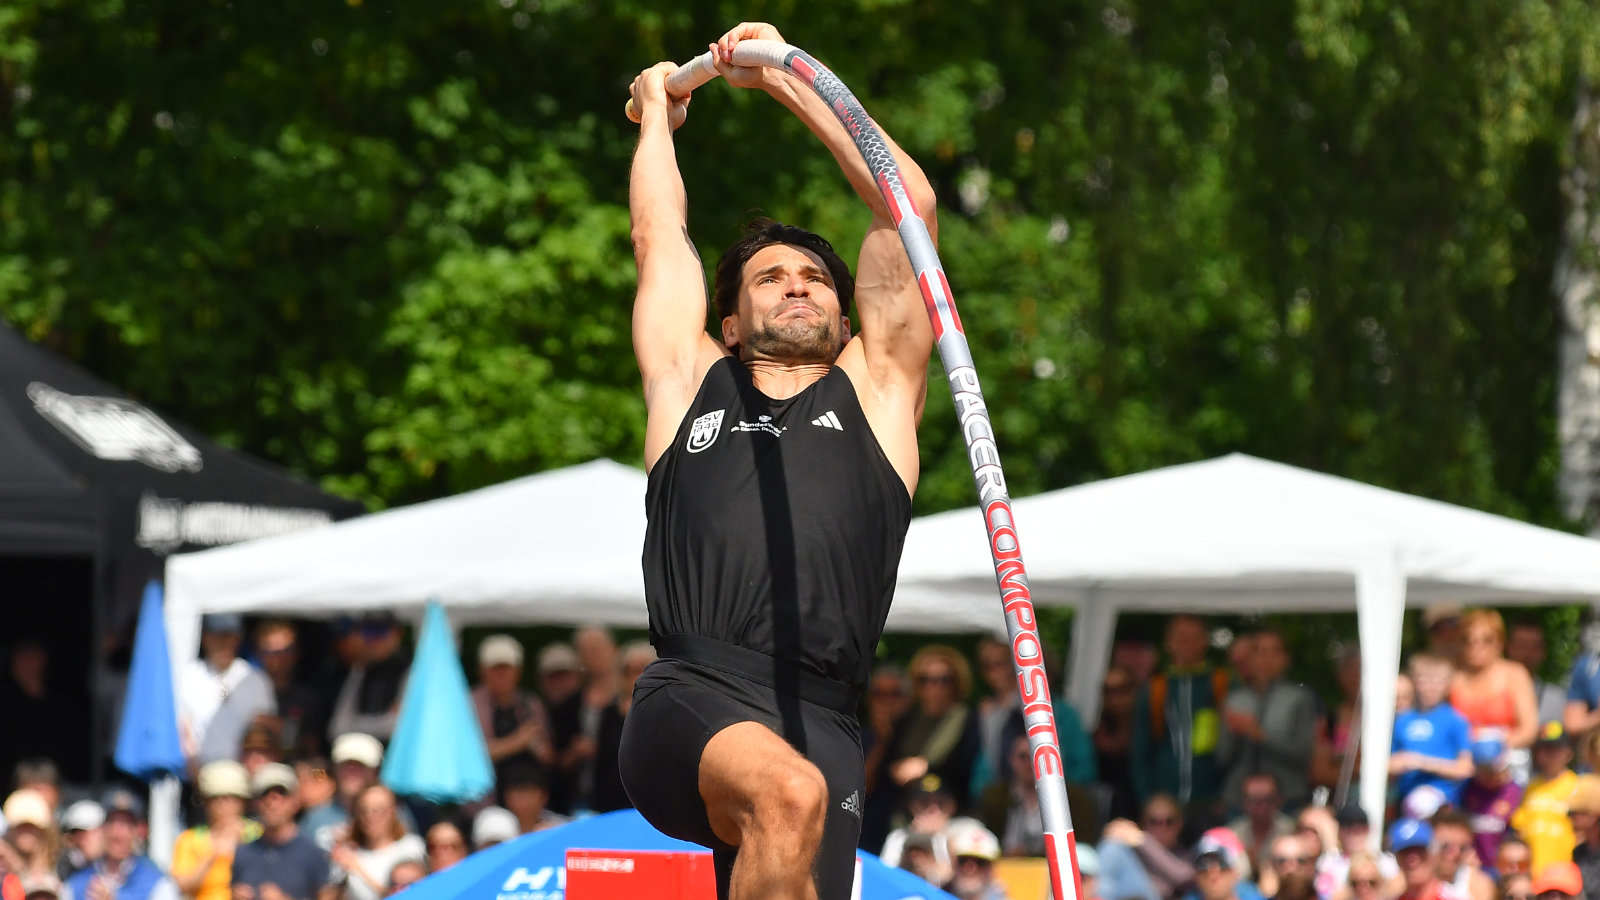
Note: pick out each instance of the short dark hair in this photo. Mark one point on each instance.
(764, 232)
(37, 770)
(522, 772)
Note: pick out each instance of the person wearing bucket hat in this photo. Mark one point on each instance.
(1542, 818)
(1490, 797)
(202, 858)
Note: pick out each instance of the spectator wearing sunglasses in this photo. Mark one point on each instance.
(1513, 857)
(939, 736)
(1411, 841)
(1145, 859)
(1290, 870)
(1584, 810)
(1264, 820)
(1221, 869)
(1365, 880)
(1457, 862)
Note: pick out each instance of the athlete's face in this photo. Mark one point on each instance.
(788, 311)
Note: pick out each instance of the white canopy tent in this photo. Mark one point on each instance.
(1240, 534)
(559, 547)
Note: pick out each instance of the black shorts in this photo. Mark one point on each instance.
(678, 706)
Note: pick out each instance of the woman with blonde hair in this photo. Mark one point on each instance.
(939, 736)
(1365, 880)
(1495, 694)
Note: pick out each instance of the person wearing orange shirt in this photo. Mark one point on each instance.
(202, 858)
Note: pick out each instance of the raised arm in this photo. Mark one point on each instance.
(669, 310)
(888, 360)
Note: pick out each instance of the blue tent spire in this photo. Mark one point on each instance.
(147, 743)
(438, 752)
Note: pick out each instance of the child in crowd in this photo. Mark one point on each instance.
(1431, 744)
(1542, 819)
(1490, 797)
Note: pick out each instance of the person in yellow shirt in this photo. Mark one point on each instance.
(202, 858)
(1542, 818)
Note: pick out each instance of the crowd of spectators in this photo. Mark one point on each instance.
(1233, 782)
(1200, 781)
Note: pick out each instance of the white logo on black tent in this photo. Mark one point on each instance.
(113, 429)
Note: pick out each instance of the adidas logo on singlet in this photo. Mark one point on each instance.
(828, 420)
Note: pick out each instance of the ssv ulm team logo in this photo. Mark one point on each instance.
(703, 433)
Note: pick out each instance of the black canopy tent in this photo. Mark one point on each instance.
(95, 491)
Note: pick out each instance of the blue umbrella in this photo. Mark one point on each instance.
(438, 751)
(147, 743)
(534, 865)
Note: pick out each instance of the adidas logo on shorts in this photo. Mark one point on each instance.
(852, 803)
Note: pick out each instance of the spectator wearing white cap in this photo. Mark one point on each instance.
(122, 873)
(515, 723)
(82, 841)
(282, 864)
(493, 825)
(202, 858)
(40, 887)
(220, 694)
(32, 841)
(973, 850)
(357, 758)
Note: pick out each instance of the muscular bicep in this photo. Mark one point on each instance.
(896, 337)
(669, 334)
(670, 306)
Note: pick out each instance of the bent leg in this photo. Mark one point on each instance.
(763, 797)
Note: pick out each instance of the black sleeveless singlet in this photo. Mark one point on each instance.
(776, 525)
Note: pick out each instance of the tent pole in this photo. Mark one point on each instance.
(99, 600)
(1380, 613)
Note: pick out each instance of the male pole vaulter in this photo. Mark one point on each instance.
(782, 458)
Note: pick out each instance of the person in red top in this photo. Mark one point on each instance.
(1411, 842)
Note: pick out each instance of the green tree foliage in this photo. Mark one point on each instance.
(385, 241)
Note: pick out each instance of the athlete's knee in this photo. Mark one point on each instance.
(795, 799)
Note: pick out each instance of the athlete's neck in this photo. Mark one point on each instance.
(780, 380)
